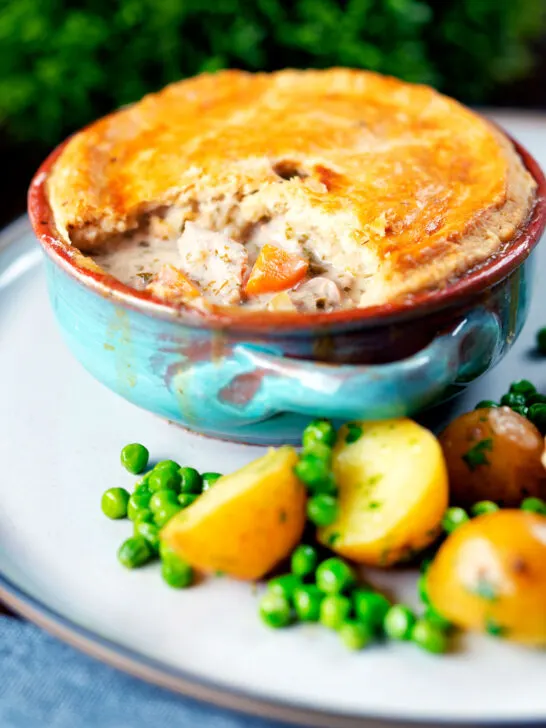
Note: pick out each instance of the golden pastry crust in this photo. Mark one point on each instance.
(405, 187)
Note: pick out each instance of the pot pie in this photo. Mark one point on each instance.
(296, 191)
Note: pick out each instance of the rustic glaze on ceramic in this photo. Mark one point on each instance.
(247, 376)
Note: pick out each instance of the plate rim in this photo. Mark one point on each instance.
(176, 680)
(179, 681)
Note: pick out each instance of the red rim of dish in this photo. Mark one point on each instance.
(415, 305)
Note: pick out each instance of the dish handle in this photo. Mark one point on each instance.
(394, 389)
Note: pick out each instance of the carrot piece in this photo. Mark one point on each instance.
(171, 284)
(275, 270)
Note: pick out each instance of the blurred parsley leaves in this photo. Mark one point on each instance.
(64, 63)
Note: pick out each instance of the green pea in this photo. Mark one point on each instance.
(186, 499)
(143, 482)
(334, 610)
(307, 600)
(114, 503)
(436, 619)
(162, 498)
(209, 479)
(355, 635)
(523, 410)
(425, 565)
(534, 505)
(319, 431)
(164, 515)
(144, 515)
(134, 458)
(322, 510)
(422, 589)
(320, 451)
(284, 585)
(536, 399)
(328, 486)
(453, 518)
(134, 552)
(524, 387)
(537, 415)
(398, 622)
(334, 576)
(483, 507)
(190, 481)
(354, 433)
(370, 608)
(166, 552)
(486, 404)
(164, 479)
(177, 573)
(142, 489)
(429, 637)
(137, 502)
(541, 340)
(149, 532)
(171, 465)
(312, 471)
(275, 610)
(511, 399)
(304, 560)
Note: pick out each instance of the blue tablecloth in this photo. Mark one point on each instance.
(47, 684)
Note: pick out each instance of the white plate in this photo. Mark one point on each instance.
(60, 435)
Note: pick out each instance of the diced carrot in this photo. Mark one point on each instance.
(275, 270)
(171, 284)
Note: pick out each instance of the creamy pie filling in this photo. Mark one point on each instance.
(219, 265)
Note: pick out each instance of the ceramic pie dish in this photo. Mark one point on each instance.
(255, 375)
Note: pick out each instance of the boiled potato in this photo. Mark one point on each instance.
(493, 454)
(247, 522)
(490, 575)
(393, 492)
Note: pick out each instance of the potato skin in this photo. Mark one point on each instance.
(490, 575)
(493, 454)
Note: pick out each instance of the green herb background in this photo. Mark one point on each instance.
(65, 63)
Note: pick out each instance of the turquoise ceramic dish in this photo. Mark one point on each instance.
(258, 378)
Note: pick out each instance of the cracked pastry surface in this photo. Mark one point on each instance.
(382, 188)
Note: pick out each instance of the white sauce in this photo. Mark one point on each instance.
(219, 265)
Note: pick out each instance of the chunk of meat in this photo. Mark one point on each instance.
(318, 294)
(275, 270)
(217, 264)
(170, 284)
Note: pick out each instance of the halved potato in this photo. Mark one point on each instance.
(490, 575)
(247, 522)
(393, 492)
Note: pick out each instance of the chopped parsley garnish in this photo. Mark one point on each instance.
(477, 455)
(374, 479)
(374, 505)
(354, 432)
(495, 629)
(484, 589)
(145, 277)
(333, 538)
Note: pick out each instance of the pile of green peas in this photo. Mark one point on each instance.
(161, 493)
(327, 592)
(314, 469)
(523, 398)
